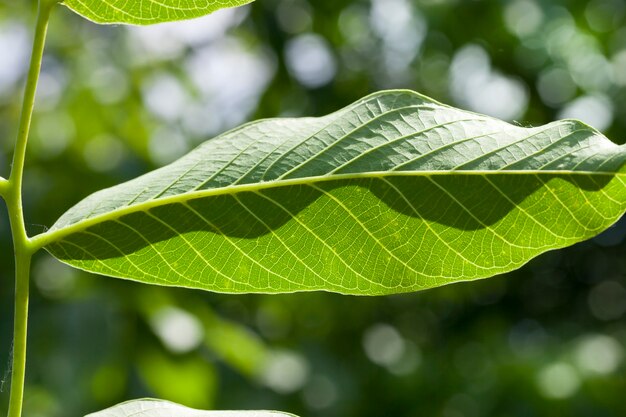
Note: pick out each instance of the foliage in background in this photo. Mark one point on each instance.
(117, 102)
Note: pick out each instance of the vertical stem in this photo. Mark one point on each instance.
(11, 190)
(15, 179)
(22, 271)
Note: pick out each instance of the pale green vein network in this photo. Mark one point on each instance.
(321, 241)
(394, 193)
(147, 12)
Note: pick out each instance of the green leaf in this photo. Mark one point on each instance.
(147, 12)
(159, 408)
(394, 193)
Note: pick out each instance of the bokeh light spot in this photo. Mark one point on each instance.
(595, 110)
(607, 300)
(310, 60)
(285, 371)
(558, 381)
(383, 344)
(179, 330)
(599, 355)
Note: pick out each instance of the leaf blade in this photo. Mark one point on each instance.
(337, 203)
(161, 408)
(147, 12)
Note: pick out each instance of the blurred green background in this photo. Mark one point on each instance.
(115, 102)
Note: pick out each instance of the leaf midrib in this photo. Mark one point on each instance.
(43, 239)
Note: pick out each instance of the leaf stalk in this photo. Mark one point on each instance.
(4, 186)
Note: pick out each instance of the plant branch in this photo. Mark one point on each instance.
(11, 191)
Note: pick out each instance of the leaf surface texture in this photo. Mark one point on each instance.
(394, 193)
(147, 12)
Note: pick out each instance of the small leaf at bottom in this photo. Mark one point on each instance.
(160, 408)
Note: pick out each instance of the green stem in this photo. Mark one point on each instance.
(11, 191)
(17, 170)
(22, 271)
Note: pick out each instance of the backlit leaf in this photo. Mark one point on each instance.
(147, 12)
(394, 193)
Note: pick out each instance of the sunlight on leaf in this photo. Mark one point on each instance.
(147, 12)
(394, 193)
